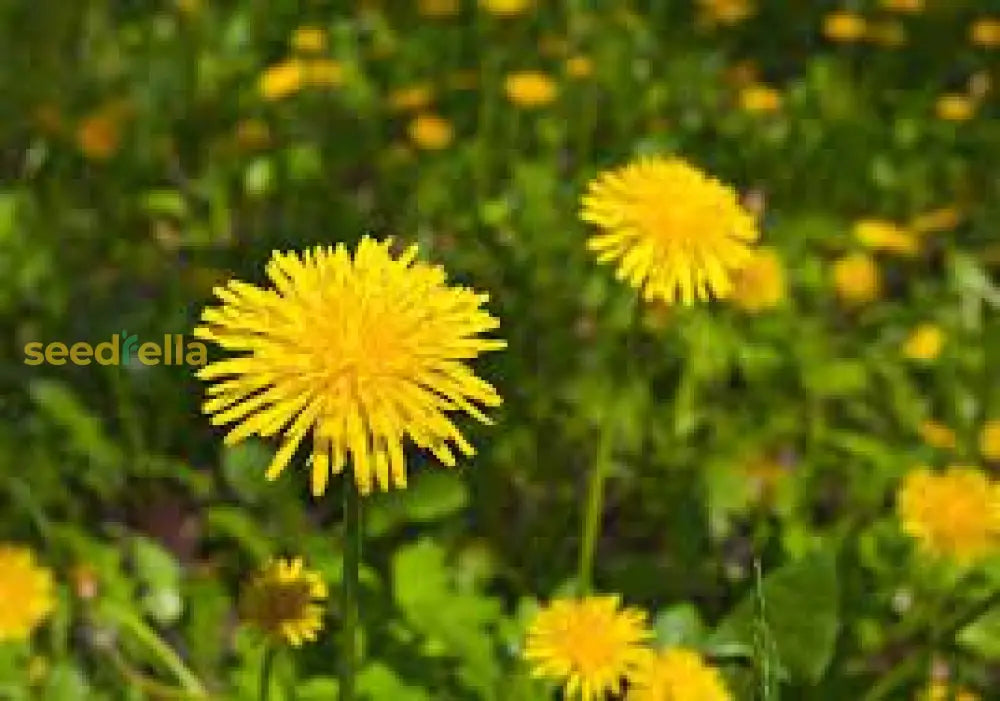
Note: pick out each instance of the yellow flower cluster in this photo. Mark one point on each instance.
(593, 646)
(882, 235)
(305, 68)
(856, 279)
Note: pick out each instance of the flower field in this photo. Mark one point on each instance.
(500, 350)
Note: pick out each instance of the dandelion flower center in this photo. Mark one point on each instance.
(284, 600)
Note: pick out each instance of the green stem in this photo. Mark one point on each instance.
(352, 558)
(266, 671)
(592, 516)
(154, 644)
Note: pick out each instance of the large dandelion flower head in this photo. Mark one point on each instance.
(953, 514)
(364, 352)
(675, 232)
(677, 674)
(26, 593)
(285, 601)
(590, 645)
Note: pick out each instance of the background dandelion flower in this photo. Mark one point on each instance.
(677, 674)
(364, 351)
(285, 601)
(26, 593)
(953, 514)
(588, 644)
(675, 232)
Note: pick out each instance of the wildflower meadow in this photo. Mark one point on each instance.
(500, 350)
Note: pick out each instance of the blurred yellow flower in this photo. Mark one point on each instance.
(845, 27)
(27, 593)
(309, 40)
(285, 601)
(955, 108)
(989, 440)
(882, 235)
(953, 514)
(579, 66)
(506, 8)
(943, 219)
(281, 80)
(856, 278)
(98, 135)
(937, 435)
(726, 11)
(942, 691)
(912, 6)
(430, 132)
(761, 283)
(323, 73)
(760, 98)
(924, 342)
(365, 352)
(530, 89)
(439, 9)
(589, 644)
(677, 674)
(985, 32)
(890, 34)
(410, 97)
(675, 232)
(252, 134)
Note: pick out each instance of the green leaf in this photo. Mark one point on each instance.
(376, 682)
(160, 575)
(244, 465)
(801, 614)
(982, 636)
(433, 495)
(66, 683)
(233, 522)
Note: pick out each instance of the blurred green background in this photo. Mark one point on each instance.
(151, 150)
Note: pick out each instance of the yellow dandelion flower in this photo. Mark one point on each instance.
(323, 72)
(439, 9)
(98, 135)
(590, 645)
(506, 8)
(954, 514)
(430, 132)
(365, 352)
(985, 32)
(759, 99)
(579, 66)
(726, 11)
(943, 219)
(989, 440)
(410, 97)
(27, 593)
(924, 342)
(856, 278)
(909, 6)
(937, 435)
(676, 232)
(760, 284)
(844, 27)
(281, 80)
(677, 674)
(309, 40)
(942, 691)
(881, 235)
(285, 601)
(530, 89)
(954, 108)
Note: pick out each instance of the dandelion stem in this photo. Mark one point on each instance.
(592, 516)
(352, 557)
(266, 670)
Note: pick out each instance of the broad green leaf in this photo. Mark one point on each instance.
(982, 636)
(801, 612)
(679, 625)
